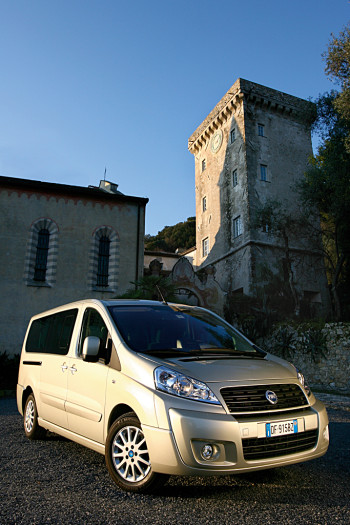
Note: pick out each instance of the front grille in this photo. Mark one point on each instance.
(248, 399)
(265, 448)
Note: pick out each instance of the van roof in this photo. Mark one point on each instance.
(107, 303)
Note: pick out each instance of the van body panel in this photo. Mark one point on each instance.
(77, 438)
(86, 393)
(232, 370)
(122, 390)
(164, 403)
(52, 389)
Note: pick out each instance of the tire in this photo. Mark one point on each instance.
(127, 457)
(30, 420)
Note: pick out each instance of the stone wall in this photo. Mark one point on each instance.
(328, 372)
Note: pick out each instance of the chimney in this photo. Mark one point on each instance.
(109, 187)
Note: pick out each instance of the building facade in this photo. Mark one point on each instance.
(251, 150)
(61, 243)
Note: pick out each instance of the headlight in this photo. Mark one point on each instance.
(301, 378)
(177, 384)
(302, 381)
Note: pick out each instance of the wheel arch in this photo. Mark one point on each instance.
(117, 411)
(26, 393)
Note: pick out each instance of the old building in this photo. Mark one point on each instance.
(60, 243)
(251, 149)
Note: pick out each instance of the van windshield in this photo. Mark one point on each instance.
(171, 330)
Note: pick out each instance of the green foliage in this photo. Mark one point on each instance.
(170, 238)
(273, 299)
(276, 218)
(284, 342)
(253, 327)
(291, 338)
(8, 371)
(337, 68)
(338, 58)
(326, 189)
(270, 302)
(312, 324)
(274, 214)
(151, 287)
(315, 344)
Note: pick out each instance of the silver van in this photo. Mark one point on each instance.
(164, 389)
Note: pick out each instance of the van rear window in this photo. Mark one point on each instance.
(52, 334)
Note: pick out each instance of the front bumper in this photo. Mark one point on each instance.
(178, 450)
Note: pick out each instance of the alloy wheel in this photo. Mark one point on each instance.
(130, 455)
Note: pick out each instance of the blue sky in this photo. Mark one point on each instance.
(89, 84)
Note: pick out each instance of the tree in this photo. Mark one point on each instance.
(338, 69)
(151, 287)
(182, 235)
(274, 218)
(326, 188)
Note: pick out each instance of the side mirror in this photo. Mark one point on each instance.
(91, 349)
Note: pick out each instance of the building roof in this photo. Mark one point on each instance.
(256, 93)
(53, 188)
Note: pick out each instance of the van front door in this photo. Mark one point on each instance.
(86, 389)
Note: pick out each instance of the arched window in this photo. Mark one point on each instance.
(104, 260)
(41, 258)
(42, 250)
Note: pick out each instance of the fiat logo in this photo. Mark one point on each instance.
(271, 397)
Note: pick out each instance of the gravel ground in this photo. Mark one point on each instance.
(59, 482)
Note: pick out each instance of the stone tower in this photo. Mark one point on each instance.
(252, 148)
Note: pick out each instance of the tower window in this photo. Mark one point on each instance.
(261, 130)
(41, 255)
(205, 247)
(237, 227)
(232, 135)
(204, 164)
(103, 261)
(234, 178)
(263, 172)
(204, 204)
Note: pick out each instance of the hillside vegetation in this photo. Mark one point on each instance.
(181, 236)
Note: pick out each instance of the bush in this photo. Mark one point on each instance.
(284, 345)
(315, 343)
(292, 338)
(152, 287)
(8, 371)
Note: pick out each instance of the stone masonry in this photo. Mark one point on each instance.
(329, 371)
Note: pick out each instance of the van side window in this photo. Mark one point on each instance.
(52, 334)
(93, 324)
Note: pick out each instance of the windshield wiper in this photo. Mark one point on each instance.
(231, 355)
(170, 352)
(205, 353)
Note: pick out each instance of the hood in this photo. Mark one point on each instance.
(238, 369)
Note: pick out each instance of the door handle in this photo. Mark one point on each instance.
(73, 369)
(64, 367)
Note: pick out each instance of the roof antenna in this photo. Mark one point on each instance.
(161, 295)
(104, 176)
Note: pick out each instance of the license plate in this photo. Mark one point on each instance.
(281, 428)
